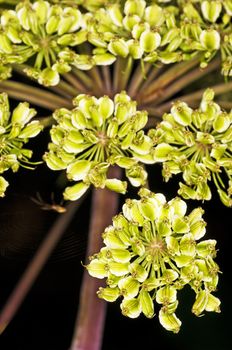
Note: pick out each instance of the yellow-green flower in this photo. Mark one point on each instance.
(96, 134)
(198, 144)
(37, 33)
(15, 130)
(151, 251)
(155, 31)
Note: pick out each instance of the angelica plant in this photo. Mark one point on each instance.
(116, 85)
(197, 143)
(151, 251)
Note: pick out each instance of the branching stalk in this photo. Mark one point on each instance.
(181, 83)
(169, 75)
(39, 97)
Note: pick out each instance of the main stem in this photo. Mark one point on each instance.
(91, 314)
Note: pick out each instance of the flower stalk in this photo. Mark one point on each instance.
(91, 314)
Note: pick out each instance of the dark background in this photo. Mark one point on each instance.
(46, 318)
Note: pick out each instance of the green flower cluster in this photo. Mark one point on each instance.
(98, 133)
(197, 143)
(41, 34)
(47, 35)
(163, 32)
(151, 251)
(15, 131)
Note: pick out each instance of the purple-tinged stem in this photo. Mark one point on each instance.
(92, 310)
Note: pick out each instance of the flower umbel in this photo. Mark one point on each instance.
(15, 131)
(197, 143)
(151, 251)
(98, 133)
(40, 34)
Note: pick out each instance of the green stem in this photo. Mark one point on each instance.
(183, 82)
(36, 265)
(34, 95)
(83, 77)
(118, 66)
(218, 90)
(67, 88)
(138, 78)
(91, 314)
(125, 73)
(60, 91)
(63, 89)
(154, 72)
(78, 86)
(170, 75)
(192, 99)
(107, 79)
(97, 85)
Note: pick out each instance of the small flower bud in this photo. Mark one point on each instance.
(200, 302)
(31, 130)
(118, 269)
(137, 176)
(149, 41)
(120, 255)
(97, 268)
(5, 44)
(213, 304)
(52, 24)
(78, 170)
(198, 229)
(154, 15)
(180, 225)
(130, 308)
(225, 198)
(166, 295)
(76, 191)
(217, 152)
(162, 152)
(118, 47)
(179, 206)
(112, 129)
(104, 59)
(188, 245)
(129, 287)
(147, 209)
(135, 49)
(116, 185)
(135, 7)
(3, 186)
(115, 14)
(112, 240)
(205, 248)
(211, 10)
(210, 39)
(221, 122)
(108, 294)
(146, 304)
(106, 107)
(22, 114)
(48, 77)
(138, 272)
(169, 321)
(182, 113)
